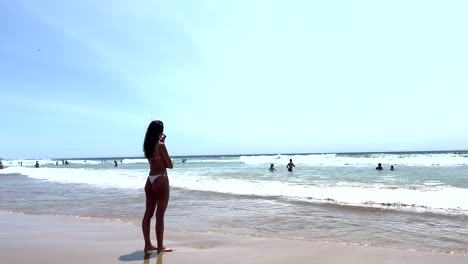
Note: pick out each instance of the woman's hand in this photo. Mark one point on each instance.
(162, 138)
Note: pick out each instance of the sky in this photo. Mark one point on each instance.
(84, 78)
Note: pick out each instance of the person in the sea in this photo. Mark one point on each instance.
(379, 167)
(272, 168)
(1, 165)
(392, 168)
(290, 165)
(157, 184)
(115, 163)
(37, 164)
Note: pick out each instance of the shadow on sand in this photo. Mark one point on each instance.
(141, 255)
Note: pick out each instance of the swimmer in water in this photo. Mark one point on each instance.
(379, 167)
(290, 165)
(272, 168)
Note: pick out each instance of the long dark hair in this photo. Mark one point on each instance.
(155, 129)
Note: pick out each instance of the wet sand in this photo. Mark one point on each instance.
(57, 239)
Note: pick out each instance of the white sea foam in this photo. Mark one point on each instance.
(406, 159)
(28, 163)
(428, 159)
(98, 178)
(430, 196)
(445, 198)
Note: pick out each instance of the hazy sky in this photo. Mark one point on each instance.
(83, 78)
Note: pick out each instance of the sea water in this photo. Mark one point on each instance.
(421, 205)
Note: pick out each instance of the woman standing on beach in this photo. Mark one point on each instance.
(157, 184)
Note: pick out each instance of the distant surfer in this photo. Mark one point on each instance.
(379, 167)
(1, 165)
(37, 164)
(272, 168)
(392, 168)
(290, 165)
(115, 163)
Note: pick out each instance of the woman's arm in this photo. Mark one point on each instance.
(167, 159)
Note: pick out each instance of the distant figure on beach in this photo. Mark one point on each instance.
(392, 168)
(66, 162)
(115, 163)
(21, 163)
(56, 163)
(184, 160)
(379, 167)
(290, 165)
(157, 185)
(272, 168)
(37, 164)
(1, 165)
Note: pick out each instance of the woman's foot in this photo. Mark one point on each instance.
(150, 248)
(164, 249)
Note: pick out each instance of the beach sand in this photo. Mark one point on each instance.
(56, 239)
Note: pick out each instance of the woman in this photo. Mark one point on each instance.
(157, 184)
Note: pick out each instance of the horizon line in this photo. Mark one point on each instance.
(255, 154)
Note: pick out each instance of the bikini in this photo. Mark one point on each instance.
(152, 178)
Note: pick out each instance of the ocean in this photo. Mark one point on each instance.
(422, 205)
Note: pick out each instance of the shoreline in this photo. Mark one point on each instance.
(52, 239)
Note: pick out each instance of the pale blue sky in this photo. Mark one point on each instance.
(84, 78)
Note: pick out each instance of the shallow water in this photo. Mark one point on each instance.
(418, 206)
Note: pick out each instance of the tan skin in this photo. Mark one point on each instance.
(158, 166)
(157, 196)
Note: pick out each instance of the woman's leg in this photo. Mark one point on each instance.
(149, 212)
(161, 189)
